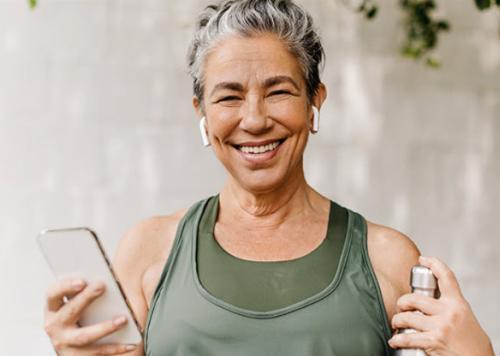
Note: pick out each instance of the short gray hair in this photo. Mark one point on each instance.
(290, 22)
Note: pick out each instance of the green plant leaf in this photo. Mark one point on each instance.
(483, 4)
(412, 50)
(497, 2)
(370, 14)
(433, 62)
(444, 25)
(429, 5)
(430, 39)
(32, 3)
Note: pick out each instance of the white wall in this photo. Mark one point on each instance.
(96, 129)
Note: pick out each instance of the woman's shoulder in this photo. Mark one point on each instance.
(140, 257)
(148, 238)
(391, 252)
(392, 255)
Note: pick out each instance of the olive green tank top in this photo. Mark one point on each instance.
(345, 318)
(267, 285)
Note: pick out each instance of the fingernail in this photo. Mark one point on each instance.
(130, 347)
(120, 321)
(78, 284)
(393, 339)
(423, 259)
(99, 288)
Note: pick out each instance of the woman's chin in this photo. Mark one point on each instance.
(261, 182)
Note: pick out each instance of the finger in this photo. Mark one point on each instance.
(422, 303)
(447, 282)
(65, 287)
(89, 334)
(412, 320)
(418, 340)
(71, 311)
(109, 349)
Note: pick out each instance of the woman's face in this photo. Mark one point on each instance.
(257, 111)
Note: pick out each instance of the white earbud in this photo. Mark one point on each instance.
(203, 132)
(315, 125)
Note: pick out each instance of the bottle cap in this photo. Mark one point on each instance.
(422, 278)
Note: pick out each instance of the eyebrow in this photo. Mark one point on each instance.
(272, 81)
(227, 85)
(269, 82)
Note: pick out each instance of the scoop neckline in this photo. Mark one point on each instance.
(299, 259)
(280, 311)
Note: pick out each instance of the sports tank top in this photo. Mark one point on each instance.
(267, 285)
(346, 318)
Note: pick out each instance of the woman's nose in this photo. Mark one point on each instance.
(254, 118)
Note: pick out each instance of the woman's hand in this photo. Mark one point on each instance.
(61, 320)
(447, 325)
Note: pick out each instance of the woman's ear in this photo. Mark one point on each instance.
(320, 96)
(316, 102)
(198, 107)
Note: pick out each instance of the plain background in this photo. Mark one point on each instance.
(97, 129)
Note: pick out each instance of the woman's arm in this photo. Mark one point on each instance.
(448, 325)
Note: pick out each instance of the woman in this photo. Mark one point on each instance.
(269, 266)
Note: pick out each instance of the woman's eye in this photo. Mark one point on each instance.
(228, 98)
(279, 92)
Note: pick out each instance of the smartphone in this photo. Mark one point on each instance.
(77, 253)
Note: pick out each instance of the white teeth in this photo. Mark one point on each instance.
(259, 149)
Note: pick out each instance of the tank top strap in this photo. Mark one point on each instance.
(359, 264)
(185, 230)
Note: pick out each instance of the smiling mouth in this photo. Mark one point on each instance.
(259, 149)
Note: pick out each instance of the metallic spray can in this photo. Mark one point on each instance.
(423, 282)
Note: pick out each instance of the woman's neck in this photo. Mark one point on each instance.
(270, 209)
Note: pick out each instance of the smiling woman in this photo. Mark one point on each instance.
(268, 266)
(258, 111)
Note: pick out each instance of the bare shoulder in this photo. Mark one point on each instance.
(144, 247)
(147, 240)
(392, 255)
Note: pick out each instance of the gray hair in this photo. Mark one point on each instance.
(291, 23)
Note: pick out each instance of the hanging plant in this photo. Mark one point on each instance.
(421, 27)
(366, 7)
(422, 30)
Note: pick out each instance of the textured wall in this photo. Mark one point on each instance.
(96, 129)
